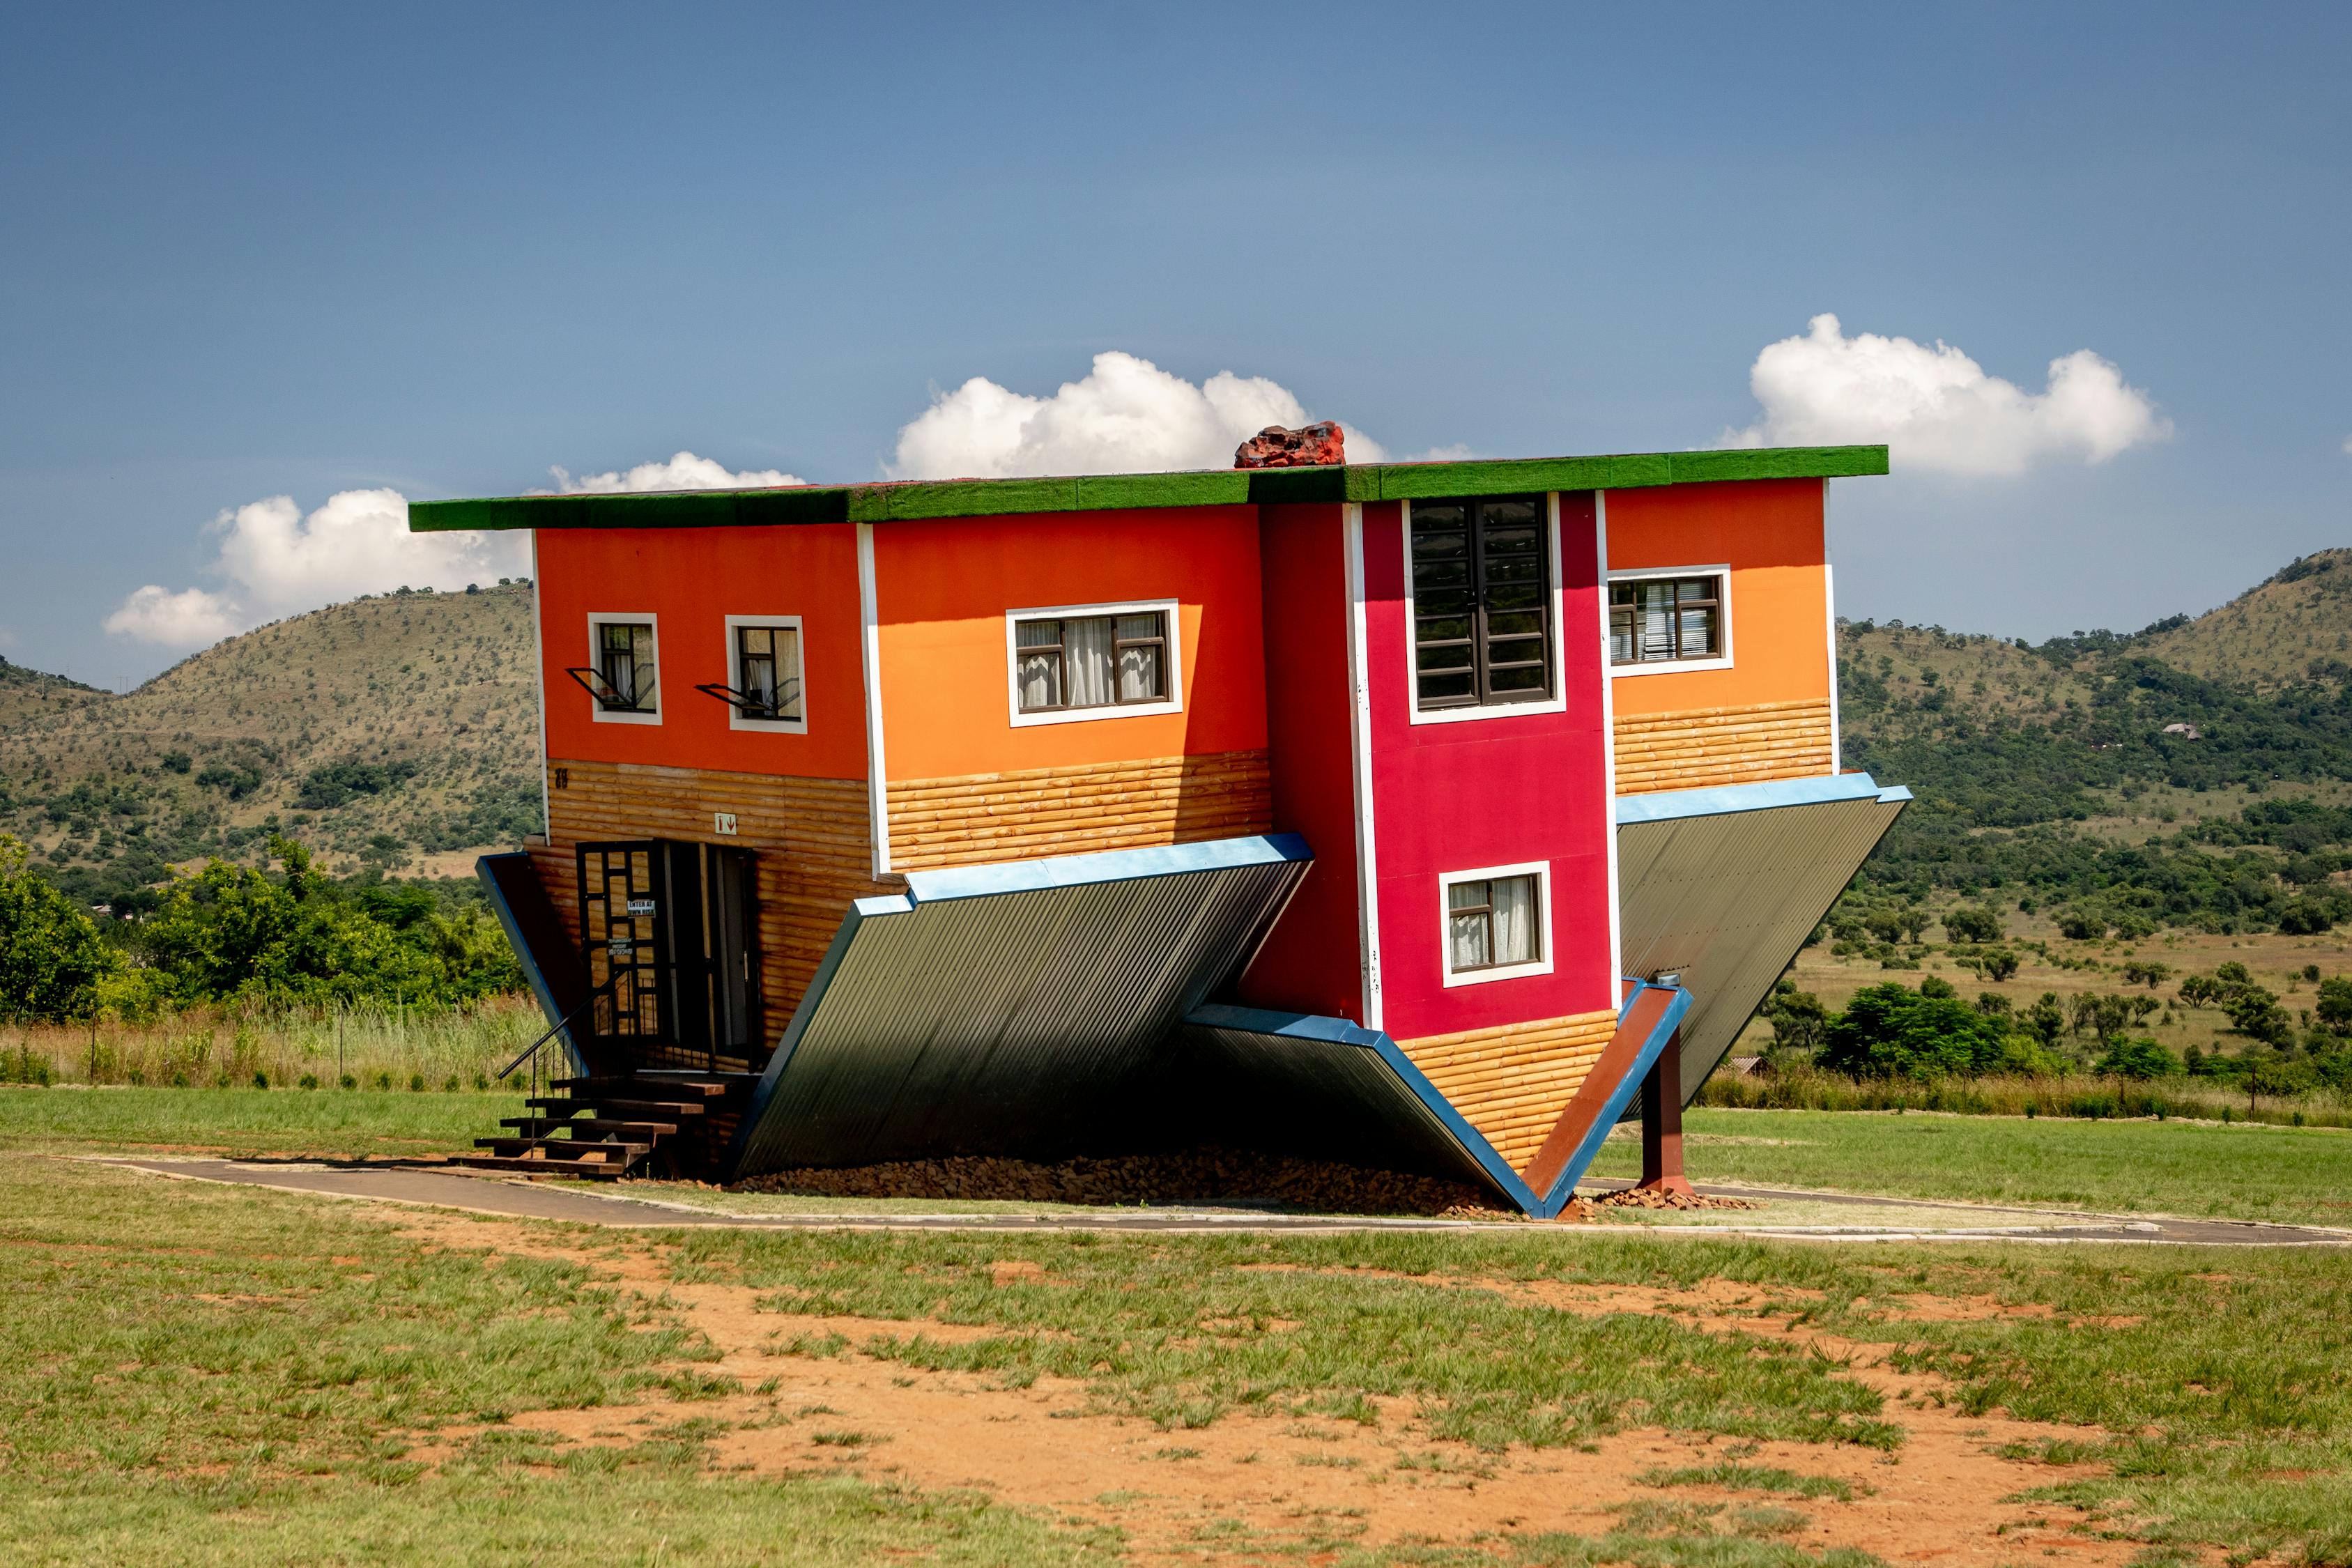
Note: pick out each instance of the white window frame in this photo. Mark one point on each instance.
(1556, 703)
(1720, 572)
(597, 621)
(1541, 871)
(1172, 703)
(735, 716)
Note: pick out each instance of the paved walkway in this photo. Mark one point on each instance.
(488, 1194)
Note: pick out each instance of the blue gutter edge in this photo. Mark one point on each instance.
(1109, 866)
(1614, 1106)
(1820, 790)
(1506, 1180)
(532, 974)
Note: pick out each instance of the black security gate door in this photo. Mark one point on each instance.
(623, 936)
(673, 927)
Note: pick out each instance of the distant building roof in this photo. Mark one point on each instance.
(904, 500)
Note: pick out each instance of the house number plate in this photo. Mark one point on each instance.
(724, 824)
(641, 906)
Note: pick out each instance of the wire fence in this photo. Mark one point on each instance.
(2070, 1094)
(445, 1050)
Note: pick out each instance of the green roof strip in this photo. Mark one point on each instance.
(904, 501)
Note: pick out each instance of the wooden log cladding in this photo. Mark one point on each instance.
(1025, 815)
(1705, 746)
(1512, 1081)
(814, 851)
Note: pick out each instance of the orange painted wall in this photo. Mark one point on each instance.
(942, 589)
(693, 579)
(1770, 532)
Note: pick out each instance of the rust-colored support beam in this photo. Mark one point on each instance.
(1661, 1123)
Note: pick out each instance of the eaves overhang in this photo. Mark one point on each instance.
(913, 501)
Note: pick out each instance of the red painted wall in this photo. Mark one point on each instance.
(1312, 963)
(692, 579)
(1488, 791)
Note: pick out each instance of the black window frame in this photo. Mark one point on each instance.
(782, 710)
(1480, 560)
(643, 697)
(1717, 603)
(1059, 649)
(1494, 960)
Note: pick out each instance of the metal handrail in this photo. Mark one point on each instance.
(531, 1049)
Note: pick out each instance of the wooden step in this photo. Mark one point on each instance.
(645, 1108)
(703, 1088)
(520, 1166)
(588, 1127)
(567, 1151)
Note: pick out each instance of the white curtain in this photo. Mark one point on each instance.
(1140, 680)
(1467, 937)
(1657, 620)
(1086, 660)
(1041, 673)
(1515, 920)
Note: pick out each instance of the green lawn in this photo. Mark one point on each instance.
(345, 1124)
(2236, 1171)
(208, 1374)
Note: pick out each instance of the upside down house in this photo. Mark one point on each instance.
(1417, 817)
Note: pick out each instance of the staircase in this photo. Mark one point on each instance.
(674, 1125)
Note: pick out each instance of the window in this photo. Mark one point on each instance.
(1482, 605)
(764, 689)
(623, 676)
(1668, 618)
(1093, 661)
(1495, 923)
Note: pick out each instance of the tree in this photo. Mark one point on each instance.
(2137, 1058)
(1972, 924)
(1891, 1031)
(2045, 1019)
(2335, 1008)
(1997, 965)
(1797, 1018)
(51, 955)
(2200, 991)
(2255, 1012)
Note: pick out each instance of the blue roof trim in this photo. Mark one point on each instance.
(1506, 1180)
(532, 974)
(1110, 866)
(1893, 793)
(1820, 790)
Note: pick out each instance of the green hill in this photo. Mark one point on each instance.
(394, 732)
(2194, 772)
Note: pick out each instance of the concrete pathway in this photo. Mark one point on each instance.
(485, 1193)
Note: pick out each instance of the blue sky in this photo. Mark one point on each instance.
(254, 252)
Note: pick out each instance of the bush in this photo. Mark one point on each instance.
(52, 958)
(2137, 1058)
(1890, 1031)
(1973, 923)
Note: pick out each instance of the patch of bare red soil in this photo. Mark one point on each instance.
(1249, 1483)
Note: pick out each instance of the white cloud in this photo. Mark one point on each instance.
(275, 562)
(1936, 408)
(1126, 416)
(2347, 446)
(684, 471)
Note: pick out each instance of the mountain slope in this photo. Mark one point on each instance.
(376, 731)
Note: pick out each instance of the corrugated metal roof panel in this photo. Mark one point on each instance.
(1011, 1012)
(1725, 897)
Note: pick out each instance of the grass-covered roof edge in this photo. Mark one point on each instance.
(904, 500)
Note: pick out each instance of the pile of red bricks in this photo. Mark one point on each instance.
(1653, 1198)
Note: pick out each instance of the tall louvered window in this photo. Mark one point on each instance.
(1482, 609)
